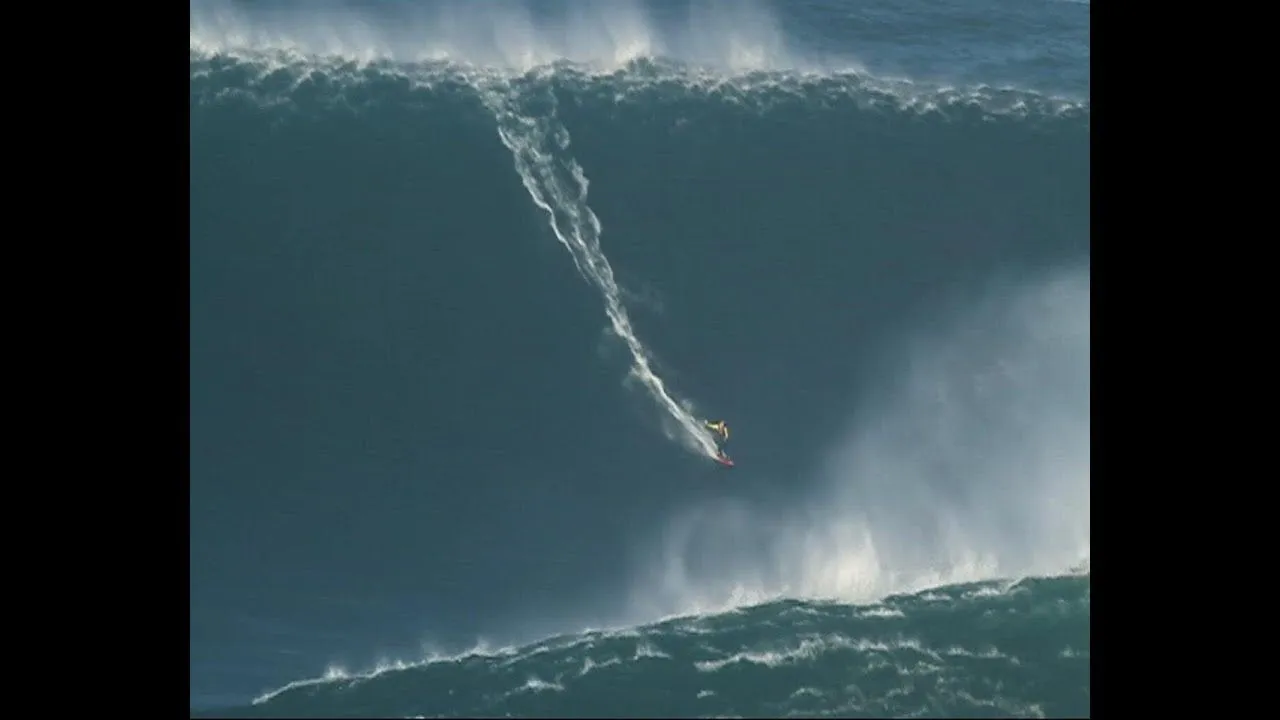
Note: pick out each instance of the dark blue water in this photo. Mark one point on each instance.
(857, 232)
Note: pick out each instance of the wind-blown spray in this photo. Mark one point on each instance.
(973, 466)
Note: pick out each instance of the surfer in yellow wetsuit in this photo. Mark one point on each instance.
(719, 428)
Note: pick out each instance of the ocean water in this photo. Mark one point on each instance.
(466, 279)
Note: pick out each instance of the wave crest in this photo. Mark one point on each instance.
(278, 76)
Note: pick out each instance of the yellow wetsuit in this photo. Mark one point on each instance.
(719, 427)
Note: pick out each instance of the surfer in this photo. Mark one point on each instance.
(719, 428)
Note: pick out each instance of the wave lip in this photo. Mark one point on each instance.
(284, 79)
(1038, 48)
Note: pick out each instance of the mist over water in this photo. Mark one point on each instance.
(970, 462)
(742, 35)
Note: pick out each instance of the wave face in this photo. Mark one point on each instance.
(975, 650)
(466, 281)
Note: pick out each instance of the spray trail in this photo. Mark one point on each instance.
(557, 184)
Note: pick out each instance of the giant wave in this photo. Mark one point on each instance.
(799, 608)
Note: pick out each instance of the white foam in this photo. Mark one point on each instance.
(813, 646)
(538, 685)
(879, 611)
(338, 674)
(589, 664)
(648, 650)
